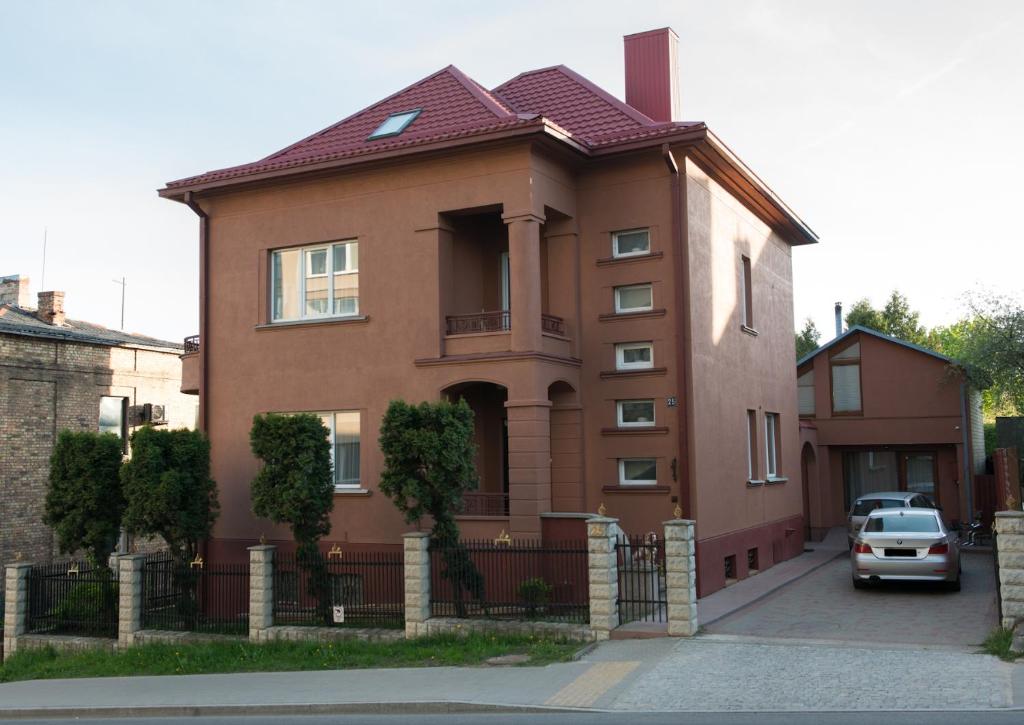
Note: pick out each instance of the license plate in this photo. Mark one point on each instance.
(901, 552)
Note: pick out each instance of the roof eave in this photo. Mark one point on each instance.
(881, 336)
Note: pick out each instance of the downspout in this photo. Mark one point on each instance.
(964, 426)
(684, 351)
(204, 282)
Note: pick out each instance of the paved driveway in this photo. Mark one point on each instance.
(824, 605)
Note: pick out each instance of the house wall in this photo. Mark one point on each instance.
(47, 386)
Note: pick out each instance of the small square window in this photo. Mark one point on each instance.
(395, 124)
(638, 472)
(635, 413)
(634, 298)
(634, 355)
(631, 243)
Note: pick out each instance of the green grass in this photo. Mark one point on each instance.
(998, 644)
(284, 656)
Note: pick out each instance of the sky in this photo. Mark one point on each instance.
(893, 128)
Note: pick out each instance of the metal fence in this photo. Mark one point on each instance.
(212, 598)
(642, 593)
(507, 579)
(345, 588)
(72, 598)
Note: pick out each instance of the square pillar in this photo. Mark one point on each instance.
(529, 465)
(1009, 526)
(434, 256)
(129, 604)
(15, 605)
(681, 577)
(416, 547)
(261, 591)
(603, 575)
(525, 280)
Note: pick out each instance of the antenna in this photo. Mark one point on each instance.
(124, 284)
(42, 279)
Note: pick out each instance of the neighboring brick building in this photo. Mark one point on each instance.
(56, 374)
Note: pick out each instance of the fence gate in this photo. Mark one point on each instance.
(642, 593)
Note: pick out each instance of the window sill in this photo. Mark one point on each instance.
(610, 316)
(347, 320)
(749, 330)
(352, 491)
(633, 373)
(638, 488)
(639, 430)
(773, 480)
(650, 257)
(754, 483)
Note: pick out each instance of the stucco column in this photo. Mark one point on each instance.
(129, 604)
(529, 465)
(417, 583)
(681, 577)
(603, 576)
(261, 591)
(524, 280)
(435, 256)
(15, 605)
(1010, 542)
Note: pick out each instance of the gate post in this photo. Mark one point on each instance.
(15, 605)
(261, 590)
(129, 605)
(602, 562)
(681, 578)
(417, 583)
(1010, 552)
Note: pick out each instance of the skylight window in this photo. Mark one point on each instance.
(395, 124)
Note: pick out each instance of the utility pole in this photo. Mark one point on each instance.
(124, 283)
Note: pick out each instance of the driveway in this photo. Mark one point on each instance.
(824, 605)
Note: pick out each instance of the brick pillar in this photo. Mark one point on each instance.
(1010, 542)
(524, 280)
(603, 576)
(15, 605)
(417, 583)
(261, 591)
(529, 466)
(129, 605)
(681, 577)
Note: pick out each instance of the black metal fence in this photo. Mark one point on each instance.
(642, 593)
(212, 598)
(350, 589)
(511, 580)
(72, 598)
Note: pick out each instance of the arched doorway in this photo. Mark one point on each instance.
(808, 478)
(490, 423)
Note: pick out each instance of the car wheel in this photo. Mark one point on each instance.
(859, 584)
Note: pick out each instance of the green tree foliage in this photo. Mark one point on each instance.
(168, 488)
(428, 466)
(862, 314)
(896, 318)
(84, 503)
(807, 339)
(295, 486)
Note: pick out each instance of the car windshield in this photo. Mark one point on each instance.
(866, 505)
(902, 524)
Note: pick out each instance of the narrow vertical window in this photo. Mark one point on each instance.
(805, 393)
(113, 417)
(751, 445)
(771, 440)
(748, 294)
(846, 393)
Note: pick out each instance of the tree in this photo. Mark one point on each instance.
(895, 319)
(169, 491)
(807, 339)
(295, 486)
(85, 503)
(864, 315)
(428, 466)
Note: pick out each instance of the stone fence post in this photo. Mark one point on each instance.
(1010, 542)
(15, 605)
(129, 604)
(261, 591)
(602, 563)
(681, 578)
(417, 583)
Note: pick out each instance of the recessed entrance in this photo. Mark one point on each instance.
(490, 434)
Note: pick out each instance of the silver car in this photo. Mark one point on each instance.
(881, 500)
(908, 544)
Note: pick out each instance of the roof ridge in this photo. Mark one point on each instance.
(881, 336)
(500, 109)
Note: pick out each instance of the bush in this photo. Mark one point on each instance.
(535, 592)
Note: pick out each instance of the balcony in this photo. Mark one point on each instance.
(490, 332)
(483, 322)
(477, 503)
(190, 366)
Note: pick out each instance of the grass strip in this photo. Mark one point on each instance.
(998, 644)
(281, 656)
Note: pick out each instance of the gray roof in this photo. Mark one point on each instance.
(19, 321)
(879, 335)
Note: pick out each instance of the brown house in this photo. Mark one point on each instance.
(881, 414)
(608, 287)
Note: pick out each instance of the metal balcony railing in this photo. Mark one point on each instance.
(191, 344)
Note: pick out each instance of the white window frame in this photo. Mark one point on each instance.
(615, 243)
(305, 274)
(771, 453)
(332, 439)
(619, 309)
(624, 424)
(620, 356)
(623, 481)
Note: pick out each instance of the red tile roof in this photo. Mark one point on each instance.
(455, 106)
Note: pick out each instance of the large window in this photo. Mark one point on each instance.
(315, 282)
(846, 393)
(634, 298)
(805, 392)
(635, 413)
(634, 355)
(772, 440)
(114, 417)
(638, 471)
(344, 439)
(631, 243)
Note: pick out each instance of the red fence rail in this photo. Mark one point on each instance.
(498, 321)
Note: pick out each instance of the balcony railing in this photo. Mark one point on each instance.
(477, 503)
(191, 344)
(552, 325)
(499, 321)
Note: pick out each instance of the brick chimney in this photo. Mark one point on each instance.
(51, 308)
(652, 73)
(14, 291)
